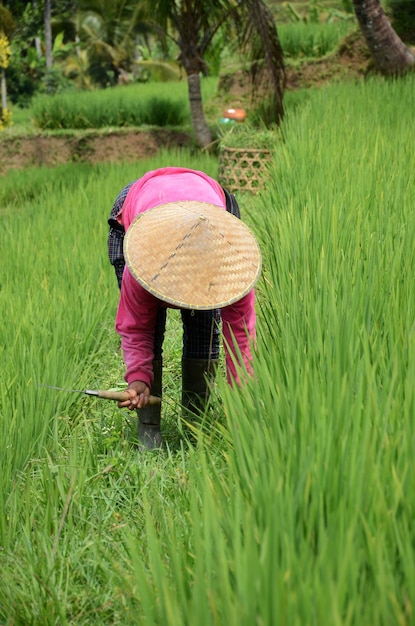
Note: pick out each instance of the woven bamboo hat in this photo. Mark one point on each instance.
(193, 255)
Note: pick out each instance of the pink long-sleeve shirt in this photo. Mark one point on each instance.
(137, 308)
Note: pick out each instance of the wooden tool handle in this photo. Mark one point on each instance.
(123, 395)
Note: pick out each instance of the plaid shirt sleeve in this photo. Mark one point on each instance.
(116, 235)
(231, 204)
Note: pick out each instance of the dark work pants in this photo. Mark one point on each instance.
(201, 334)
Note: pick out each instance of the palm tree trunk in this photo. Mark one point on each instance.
(390, 55)
(201, 129)
(48, 34)
(262, 21)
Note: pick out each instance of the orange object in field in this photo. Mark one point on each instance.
(235, 114)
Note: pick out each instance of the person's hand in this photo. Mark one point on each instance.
(139, 394)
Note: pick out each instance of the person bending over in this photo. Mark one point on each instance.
(176, 241)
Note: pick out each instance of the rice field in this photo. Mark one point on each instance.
(312, 39)
(138, 104)
(295, 505)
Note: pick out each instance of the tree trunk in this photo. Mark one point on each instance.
(390, 55)
(3, 90)
(38, 45)
(48, 33)
(201, 129)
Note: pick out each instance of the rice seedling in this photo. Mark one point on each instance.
(312, 39)
(157, 104)
(295, 506)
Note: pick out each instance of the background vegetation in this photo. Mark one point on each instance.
(165, 103)
(128, 106)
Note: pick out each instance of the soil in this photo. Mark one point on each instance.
(350, 62)
(93, 147)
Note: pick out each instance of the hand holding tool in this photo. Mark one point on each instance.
(119, 396)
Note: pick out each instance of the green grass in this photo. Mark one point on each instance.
(296, 507)
(148, 104)
(154, 104)
(117, 107)
(339, 310)
(301, 40)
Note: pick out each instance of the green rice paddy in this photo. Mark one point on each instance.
(295, 506)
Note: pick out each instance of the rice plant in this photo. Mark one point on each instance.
(157, 104)
(312, 39)
(295, 505)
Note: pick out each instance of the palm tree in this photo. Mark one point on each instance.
(390, 55)
(107, 30)
(192, 24)
(260, 40)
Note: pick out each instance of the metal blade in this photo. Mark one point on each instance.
(119, 396)
(63, 389)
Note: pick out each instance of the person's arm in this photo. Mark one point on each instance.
(238, 328)
(135, 323)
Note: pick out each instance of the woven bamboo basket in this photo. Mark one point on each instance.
(243, 169)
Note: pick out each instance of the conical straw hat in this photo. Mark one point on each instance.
(193, 255)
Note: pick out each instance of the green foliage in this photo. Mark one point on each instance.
(161, 71)
(245, 135)
(402, 15)
(108, 31)
(54, 81)
(20, 189)
(21, 85)
(101, 68)
(26, 69)
(5, 118)
(296, 505)
(313, 11)
(132, 105)
(7, 23)
(312, 40)
(22, 121)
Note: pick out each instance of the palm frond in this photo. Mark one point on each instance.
(259, 38)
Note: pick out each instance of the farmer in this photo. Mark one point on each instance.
(185, 248)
